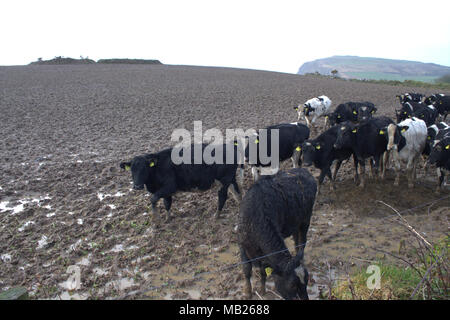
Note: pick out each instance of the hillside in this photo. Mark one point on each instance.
(375, 68)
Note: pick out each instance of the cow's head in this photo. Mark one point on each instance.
(346, 135)
(141, 168)
(366, 112)
(291, 280)
(440, 152)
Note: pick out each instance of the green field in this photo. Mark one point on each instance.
(389, 76)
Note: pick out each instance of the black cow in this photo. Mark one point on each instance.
(441, 102)
(427, 114)
(366, 111)
(410, 96)
(274, 208)
(440, 155)
(322, 154)
(352, 111)
(163, 178)
(291, 135)
(367, 140)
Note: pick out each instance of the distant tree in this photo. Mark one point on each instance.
(444, 79)
(334, 73)
(39, 59)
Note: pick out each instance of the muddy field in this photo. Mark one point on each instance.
(67, 210)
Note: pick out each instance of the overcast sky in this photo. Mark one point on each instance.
(268, 35)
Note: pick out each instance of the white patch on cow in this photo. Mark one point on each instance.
(431, 107)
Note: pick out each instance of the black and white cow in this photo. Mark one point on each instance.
(322, 153)
(274, 208)
(315, 108)
(367, 140)
(407, 141)
(291, 135)
(407, 110)
(435, 131)
(410, 96)
(163, 178)
(441, 102)
(440, 156)
(427, 113)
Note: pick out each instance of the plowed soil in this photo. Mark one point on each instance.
(67, 210)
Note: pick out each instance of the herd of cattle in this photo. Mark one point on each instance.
(280, 205)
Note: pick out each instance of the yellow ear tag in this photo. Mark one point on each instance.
(373, 111)
(354, 112)
(381, 132)
(403, 130)
(447, 146)
(318, 147)
(298, 148)
(429, 138)
(256, 141)
(127, 168)
(339, 117)
(269, 271)
(296, 109)
(354, 130)
(152, 164)
(235, 143)
(326, 117)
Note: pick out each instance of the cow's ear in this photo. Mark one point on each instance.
(403, 128)
(125, 166)
(152, 162)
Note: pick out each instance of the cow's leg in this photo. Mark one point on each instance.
(255, 173)
(371, 172)
(336, 169)
(300, 243)
(236, 192)
(295, 157)
(155, 213)
(223, 194)
(410, 172)
(247, 269)
(396, 167)
(355, 164)
(441, 176)
(167, 205)
(329, 175)
(308, 123)
(320, 179)
(378, 160)
(362, 173)
(384, 164)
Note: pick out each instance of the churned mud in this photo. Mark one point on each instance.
(71, 227)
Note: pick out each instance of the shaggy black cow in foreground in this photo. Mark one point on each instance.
(163, 178)
(274, 208)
